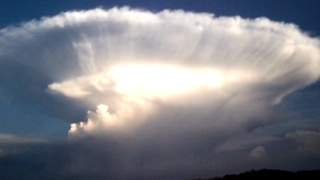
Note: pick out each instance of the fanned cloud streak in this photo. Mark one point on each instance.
(179, 83)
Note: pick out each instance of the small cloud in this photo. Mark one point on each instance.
(258, 154)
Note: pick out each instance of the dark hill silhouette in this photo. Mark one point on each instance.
(268, 173)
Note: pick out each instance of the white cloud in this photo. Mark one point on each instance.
(180, 58)
(176, 80)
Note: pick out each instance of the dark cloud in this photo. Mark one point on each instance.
(308, 142)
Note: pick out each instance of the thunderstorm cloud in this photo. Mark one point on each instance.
(157, 89)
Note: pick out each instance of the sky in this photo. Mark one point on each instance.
(158, 89)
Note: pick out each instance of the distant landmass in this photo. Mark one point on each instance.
(270, 173)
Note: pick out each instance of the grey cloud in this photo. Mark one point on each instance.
(244, 141)
(308, 142)
(258, 153)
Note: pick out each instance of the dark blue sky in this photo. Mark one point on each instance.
(303, 13)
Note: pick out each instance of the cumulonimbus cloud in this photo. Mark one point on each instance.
(157, 78)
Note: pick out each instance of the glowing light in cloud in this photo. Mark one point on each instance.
(138, 86)
(160, 80)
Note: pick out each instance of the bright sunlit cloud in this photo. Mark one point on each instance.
(179, 81)
(159, 80)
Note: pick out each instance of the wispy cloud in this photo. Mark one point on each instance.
(13, 139)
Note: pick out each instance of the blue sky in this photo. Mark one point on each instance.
(139, 88)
